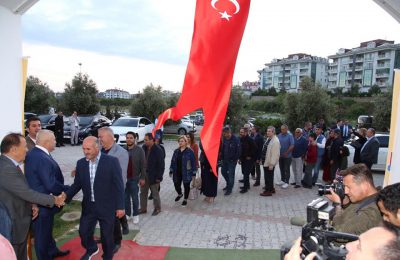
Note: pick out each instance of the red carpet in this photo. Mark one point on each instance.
(128, 250)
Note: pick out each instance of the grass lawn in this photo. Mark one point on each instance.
(221, 254)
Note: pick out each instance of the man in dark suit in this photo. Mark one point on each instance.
(44, 175)
(155, 166)
(100, 178)
(33, 125)
(369, 151)
(346, 130)
(59, 128)
(15, 193)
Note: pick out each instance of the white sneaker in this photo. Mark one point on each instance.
(280, 183)
(285, 185)
(135, 219)
(128, 217)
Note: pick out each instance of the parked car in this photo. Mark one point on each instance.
(27, 115)
(48, 121)
(136, 124)
(382, 155)
(178, 127)
(88, 126)
(364, 121)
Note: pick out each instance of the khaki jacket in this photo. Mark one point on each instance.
(273, 152)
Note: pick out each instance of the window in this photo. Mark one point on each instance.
(342, 79)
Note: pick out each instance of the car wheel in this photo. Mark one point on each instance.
(181, 131)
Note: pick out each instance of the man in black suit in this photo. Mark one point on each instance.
(369, 151)
(346, 130)
(100, 178)
(59, 128)
(44, 175)
(16, 195)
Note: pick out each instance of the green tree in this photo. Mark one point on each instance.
(309, 105)
(235, 112)
(150, 103)
(374, 90)
(354, 91)
(383, 110)
(80, 96)
(38, 96)
(307, 83)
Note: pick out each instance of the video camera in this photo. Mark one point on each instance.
(319, 236)
(337, 186)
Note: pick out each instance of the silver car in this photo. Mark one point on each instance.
(179, 127)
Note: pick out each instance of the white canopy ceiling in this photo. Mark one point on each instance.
(18, 6)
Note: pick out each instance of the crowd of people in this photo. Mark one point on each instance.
(111, 178)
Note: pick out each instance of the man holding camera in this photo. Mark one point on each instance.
(362, 212)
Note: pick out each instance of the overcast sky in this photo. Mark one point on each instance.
(129, 44)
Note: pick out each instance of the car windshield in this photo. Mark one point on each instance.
(85, 120)
(132, 122)
(45, 118)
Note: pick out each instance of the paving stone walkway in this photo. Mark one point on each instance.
(242, 221)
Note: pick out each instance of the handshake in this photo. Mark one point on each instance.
(59, 200)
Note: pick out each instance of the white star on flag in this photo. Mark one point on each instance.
(225, 15)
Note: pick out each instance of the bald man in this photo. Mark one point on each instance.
(99, 176)
(44, 175)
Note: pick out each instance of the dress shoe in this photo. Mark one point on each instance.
(244, 191)
(156, 212)
(125, 230)
(151, 197)
(184, 203)
(256, 184)
(297, 186)
(273, 190)
(142, 211)
(116, 248)
(241, 181)
(227, 193)
(89, 256)
(266, 194)
(307, 187)
(61, 253)
(178, 197)
(224, 189)
(293, 183)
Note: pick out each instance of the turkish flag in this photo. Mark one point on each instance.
(218, 31)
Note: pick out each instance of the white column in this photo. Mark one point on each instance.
(11, 109)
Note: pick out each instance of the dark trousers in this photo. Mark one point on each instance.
(21, 250)
(284, 167)
(117, 231)
(308, 178)
(178, 186)
(59, 136)
(86, 230)
(269, 179)
(45, 245)
(247, 165)
(132, 192)
(228, 172)
(256, 171)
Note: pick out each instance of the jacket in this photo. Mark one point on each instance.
(138, 162)
(273, 152)
(230, 149)
(17, 197)
(123, 158)
(189, 166)
(248, 148)
(108, 188)
(155, 164)
(259, 140)
(369, 151)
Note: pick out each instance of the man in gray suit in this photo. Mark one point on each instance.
(15, 193)
(106, 137)
(74, 127)
(369, 151)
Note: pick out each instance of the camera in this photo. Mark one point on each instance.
(319, 236)
(338, 188)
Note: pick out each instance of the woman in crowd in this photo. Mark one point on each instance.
(183, 168)
(310, 160)
(326, 165)
(358, 144)
(209, 181)
(194, 146)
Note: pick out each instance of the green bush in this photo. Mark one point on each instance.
(264, 123)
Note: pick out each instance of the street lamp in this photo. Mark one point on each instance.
(80, 67)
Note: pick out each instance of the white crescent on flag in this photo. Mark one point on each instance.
(225, 14)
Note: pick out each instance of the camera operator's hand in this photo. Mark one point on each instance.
(333, 196)
(295, 251)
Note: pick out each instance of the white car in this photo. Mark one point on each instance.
(382, 155)
(178, 127)
(138, 125)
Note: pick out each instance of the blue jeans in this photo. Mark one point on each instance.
(228, 172)
(132, 192)
(316, 169)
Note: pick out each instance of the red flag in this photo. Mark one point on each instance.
(218, 31)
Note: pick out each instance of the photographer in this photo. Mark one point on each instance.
(376, 243)
(362, 212)
(388, 201)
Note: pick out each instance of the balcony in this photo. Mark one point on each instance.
(383, 65)
(358, 76)
(332, 79)
(333, 64)
(382, 75)
(333, 71)
(383, 57)
(358, 68)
